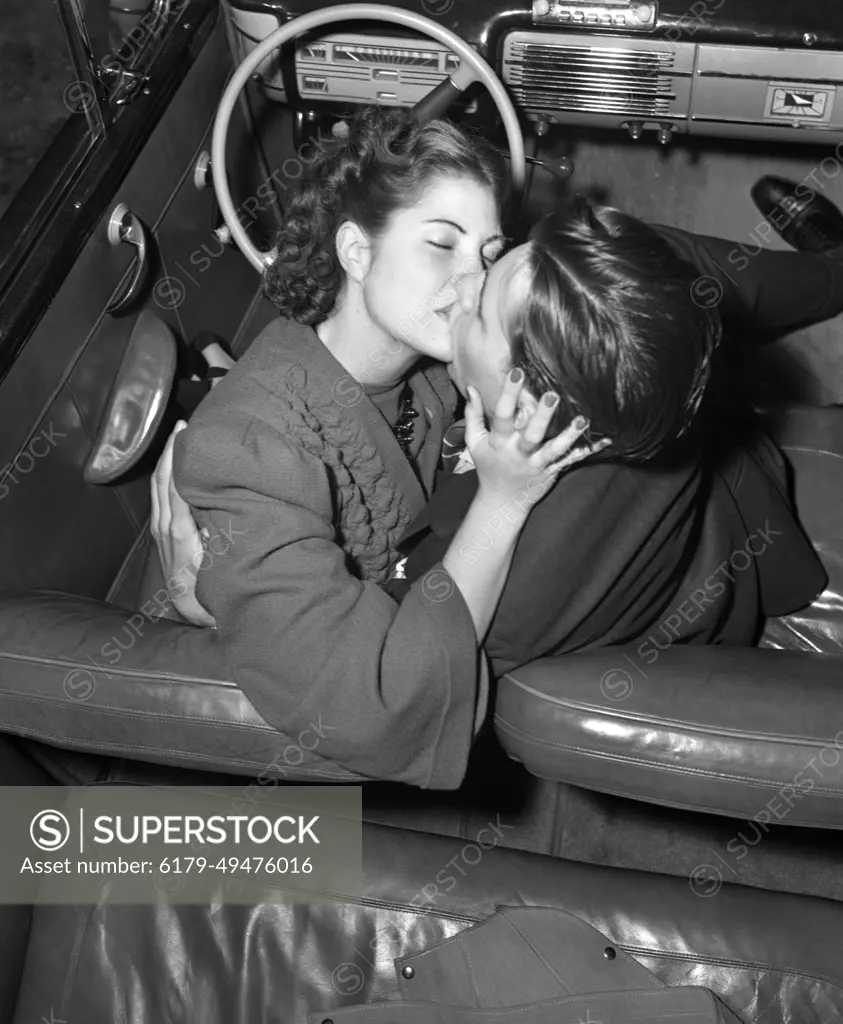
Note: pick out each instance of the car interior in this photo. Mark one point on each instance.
(663, 803)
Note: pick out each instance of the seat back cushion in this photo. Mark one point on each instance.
(812, 440)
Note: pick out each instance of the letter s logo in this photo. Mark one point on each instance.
(49, 830)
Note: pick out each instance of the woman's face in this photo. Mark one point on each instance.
(482, 355)
(428, 255)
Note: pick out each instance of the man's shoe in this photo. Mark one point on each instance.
(808, 221)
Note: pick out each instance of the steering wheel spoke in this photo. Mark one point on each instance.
(472, 69)
(465, 75)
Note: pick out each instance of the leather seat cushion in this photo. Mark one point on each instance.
(160, 701)
(744, 732)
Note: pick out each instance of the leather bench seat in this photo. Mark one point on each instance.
(771, 957)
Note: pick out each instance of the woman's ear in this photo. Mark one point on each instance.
(354, 250)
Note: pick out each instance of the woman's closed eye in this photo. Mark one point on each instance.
(442, 245)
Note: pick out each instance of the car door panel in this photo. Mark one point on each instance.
(56, 531)
(78, 308)
(200, 273)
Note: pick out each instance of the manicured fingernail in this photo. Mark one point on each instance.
(550, 399)
(580, 423)
(516, 375)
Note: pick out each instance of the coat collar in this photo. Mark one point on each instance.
(324, 371)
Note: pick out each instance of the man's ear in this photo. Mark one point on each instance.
(354, 250)
(527, 405)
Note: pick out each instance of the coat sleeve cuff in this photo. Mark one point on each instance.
(446, 610)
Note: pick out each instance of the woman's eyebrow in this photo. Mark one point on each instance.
(443, 220)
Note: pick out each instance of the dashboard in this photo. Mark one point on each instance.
(750, 69)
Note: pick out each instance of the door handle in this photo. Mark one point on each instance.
(124, 228)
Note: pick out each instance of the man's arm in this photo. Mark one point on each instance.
(604, 548)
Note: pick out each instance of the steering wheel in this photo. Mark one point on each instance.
(472, 69)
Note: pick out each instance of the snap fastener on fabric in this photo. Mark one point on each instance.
(608, 952)
(408, 972)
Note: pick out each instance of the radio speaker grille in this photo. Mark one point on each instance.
(589, 79)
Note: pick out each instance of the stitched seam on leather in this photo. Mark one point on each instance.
(146, 748)
(542, 959)
(744, 965)
(445, 942)
(472, 975)
(412, 909)
(125, 714)
(112, 711)
(150, 673)
(626, 759)
(121, 576)
(651, 720)
(554, 910)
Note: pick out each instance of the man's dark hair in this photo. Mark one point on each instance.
(610, 323)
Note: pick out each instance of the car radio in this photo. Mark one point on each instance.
(611, 15)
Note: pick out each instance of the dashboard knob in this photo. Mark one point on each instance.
(541, 8)
(635, 129)
(664, 135)
(561, 168)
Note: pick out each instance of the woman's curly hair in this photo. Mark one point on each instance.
(384, 165)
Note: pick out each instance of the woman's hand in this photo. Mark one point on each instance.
(177, 537)
(514, 463)
(515, 467)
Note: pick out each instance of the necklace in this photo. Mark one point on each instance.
(405, 426)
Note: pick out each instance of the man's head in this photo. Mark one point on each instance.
(597, 307)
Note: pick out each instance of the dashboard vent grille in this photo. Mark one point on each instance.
(590, 79)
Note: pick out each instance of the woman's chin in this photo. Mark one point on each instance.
(434, 345)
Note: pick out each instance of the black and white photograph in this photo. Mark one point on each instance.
(421, 512)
